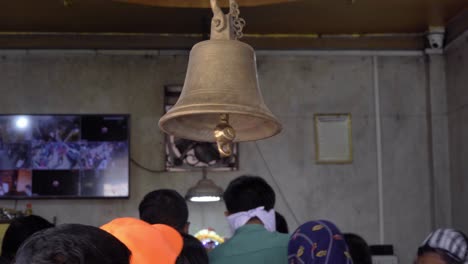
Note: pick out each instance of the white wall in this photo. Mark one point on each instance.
(457, 95)
(295, 87)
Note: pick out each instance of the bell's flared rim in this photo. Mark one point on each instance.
(167, 125)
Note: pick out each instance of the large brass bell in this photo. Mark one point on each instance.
(221, 100)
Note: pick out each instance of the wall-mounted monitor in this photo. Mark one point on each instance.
(64, 156)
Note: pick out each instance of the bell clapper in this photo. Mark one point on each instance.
(224, 135)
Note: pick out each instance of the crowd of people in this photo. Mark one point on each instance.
(161, 235)
(77, 155)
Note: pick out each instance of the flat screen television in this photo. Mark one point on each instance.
(64, 156)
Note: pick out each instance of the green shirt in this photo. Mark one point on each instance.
(252, 243)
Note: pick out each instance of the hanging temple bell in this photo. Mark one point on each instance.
(221, 101)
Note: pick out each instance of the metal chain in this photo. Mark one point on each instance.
(238, 22)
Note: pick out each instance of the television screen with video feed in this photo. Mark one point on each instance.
(64, 156)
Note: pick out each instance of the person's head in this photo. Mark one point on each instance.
(166, 207)
(72, 244)
(358, 248)
(19, 230)
(318, 242)
(444, 246)
(250, 200)
(4, 260)
(281, 224)
(193, 251)
(148, 243)
(248, 192)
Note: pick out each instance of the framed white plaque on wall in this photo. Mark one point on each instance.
(333, 138)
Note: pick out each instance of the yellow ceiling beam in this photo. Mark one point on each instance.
(201, 3)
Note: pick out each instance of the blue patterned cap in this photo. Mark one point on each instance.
(318, 242)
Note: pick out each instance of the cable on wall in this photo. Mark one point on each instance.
(277, 185)
(139, 165)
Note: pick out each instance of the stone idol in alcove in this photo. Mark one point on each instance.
(185, 155)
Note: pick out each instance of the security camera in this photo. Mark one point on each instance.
(436, 37)
(436, 40)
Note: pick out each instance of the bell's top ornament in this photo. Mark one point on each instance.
(221, 100)
(226, 26)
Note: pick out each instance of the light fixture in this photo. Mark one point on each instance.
(204, 191)
(22, 122)
(221, 101)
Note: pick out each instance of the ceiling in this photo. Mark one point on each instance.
(295, 24)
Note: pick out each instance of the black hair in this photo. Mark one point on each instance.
(73, 244)
(248, 192)
(4, 260)
(281, 224)
(358, 248)
(164, 206)
(19, 230)
(193, 251)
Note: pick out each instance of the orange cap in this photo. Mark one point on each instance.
(149, 244)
